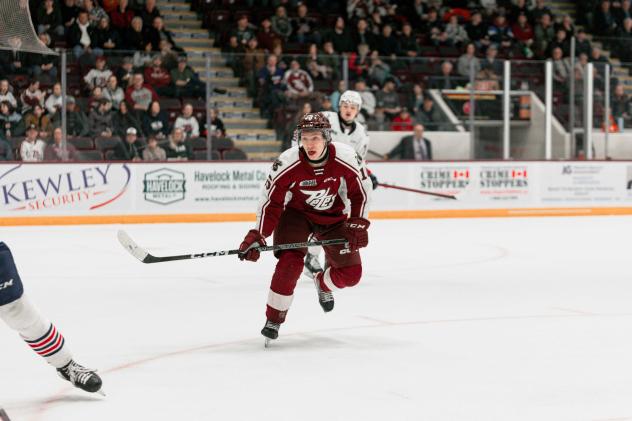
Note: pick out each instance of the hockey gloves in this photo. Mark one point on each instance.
(356, 232)
(248, 247)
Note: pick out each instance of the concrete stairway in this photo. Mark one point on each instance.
(242, 121)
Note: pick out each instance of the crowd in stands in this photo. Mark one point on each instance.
(286, 53)
(132, 104)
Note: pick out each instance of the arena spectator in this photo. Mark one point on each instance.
(604, 23)
(140, 95)
(435, 27)
(69, 13)
(113, 92)
(52, 103)
(402, 122)
(123, 119)
(298, 82)
(149, 12)
(447, 80)
(158, 33)
(543, 34)
(540, 10)
(31, 96)
(55, 151)
(158, 77)
(408, 44)
(363, 34)
(100, 119)
(330, 60)
(386, 44)
(32, 148)
(271, 86)
(620, 106)
(125, 72)
(520, 7)
(244, 30)
(335, 95)
(42, 66)
(186, 81)
(623, 12)
(254, 58)
(579, 71)
(41, 121)
(340, 38)
(217, 125)
(567, 26)
(14, 61)
(379, 71)
(187, 122)
(168, 54)
(360, 62)
(304, 27)
(413, 147)
(106, 37)
(95, 12)
(49, 19)
(387, 102)
(152, 151)
(95, 97)
(136, 36)
(491, 63)
(416, 12)
(99, 75)
(155, 121)
(179, 148)
(415, 98)
(281, 24)
(368, 99)
(6, 151)
(266, 37)
(6, 93)
(81, 37)
(76, 120)
(130, 148)
(467, 60)
(11, 122)
(428, 114)
(523, 34)
(233, 55)
(455, 33)
(122, 16)
(476, 30)
(560, 42)
(499, 33)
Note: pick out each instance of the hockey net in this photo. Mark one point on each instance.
(16, 28)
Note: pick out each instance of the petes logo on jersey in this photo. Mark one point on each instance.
(319, 199)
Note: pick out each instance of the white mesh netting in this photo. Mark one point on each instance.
(16, 28)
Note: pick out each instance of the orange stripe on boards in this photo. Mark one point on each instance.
(250, 217)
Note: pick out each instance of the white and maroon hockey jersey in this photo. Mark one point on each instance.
(321, 193)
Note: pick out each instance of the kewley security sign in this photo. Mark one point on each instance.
(164, 186)
(36, 188)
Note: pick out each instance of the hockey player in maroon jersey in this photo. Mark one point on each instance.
(39, 334)
(304, 194)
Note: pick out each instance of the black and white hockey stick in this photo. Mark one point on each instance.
(144, 256)
(3, 415)
(429, 193)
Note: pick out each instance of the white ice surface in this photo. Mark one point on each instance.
(477, 319)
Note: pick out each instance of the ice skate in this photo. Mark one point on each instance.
(270, 331)
(325, 298)
(81, 377)
(312, 265)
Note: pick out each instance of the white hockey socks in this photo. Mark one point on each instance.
(41, 335)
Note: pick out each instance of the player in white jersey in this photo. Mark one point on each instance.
(344, 129)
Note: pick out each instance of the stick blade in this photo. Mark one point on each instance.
(133, 248)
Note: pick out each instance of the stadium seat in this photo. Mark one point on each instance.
(202, 156)
(234, 154)
(222, 143)
(81, 143)
(103, 143)
(90, 156)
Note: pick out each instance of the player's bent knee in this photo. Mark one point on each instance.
(350, 275)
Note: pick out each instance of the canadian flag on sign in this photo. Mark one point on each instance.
(519, 173)
(461, 174)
